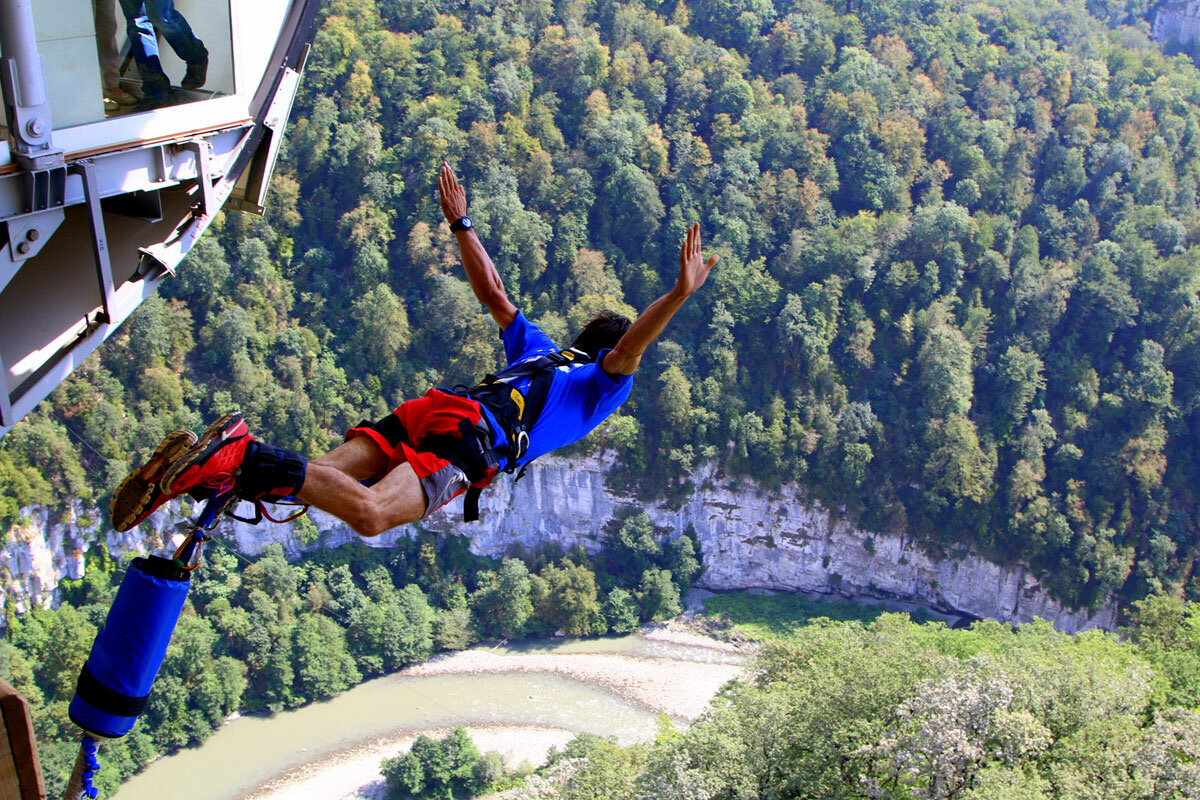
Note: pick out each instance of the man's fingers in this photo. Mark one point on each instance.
(712, 261)
(447, 182)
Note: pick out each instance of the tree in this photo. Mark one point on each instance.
(868, 179)
(416, 626)
(659, 596)
(1018, 380)
(381, 332)
(633, 209)
(957, 465)
(570, 603)
(502, 605)
(630, 546)
(324, 667)
(682, 560)
(621, 610)
(436, 768)
(452, 628)
(945, 359)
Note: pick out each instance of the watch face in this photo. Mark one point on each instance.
(466, 223)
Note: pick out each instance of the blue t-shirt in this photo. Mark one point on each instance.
(581, 396)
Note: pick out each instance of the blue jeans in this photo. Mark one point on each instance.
(142, 17)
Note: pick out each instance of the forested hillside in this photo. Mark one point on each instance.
(897, 711)
(958, 293)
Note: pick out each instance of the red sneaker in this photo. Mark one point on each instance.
(139, 494)
(213, 462)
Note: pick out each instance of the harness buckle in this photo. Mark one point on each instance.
(520, 445)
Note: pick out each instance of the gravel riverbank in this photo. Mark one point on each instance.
(681, 689)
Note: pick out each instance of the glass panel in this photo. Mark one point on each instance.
(66, 41)
(105, 58)
(172, 51)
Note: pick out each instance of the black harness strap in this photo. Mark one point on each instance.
(467, 451)
(517, 413)
(110, 701)
(471, 503)
(472, 450)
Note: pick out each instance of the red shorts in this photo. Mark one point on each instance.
(438, 413)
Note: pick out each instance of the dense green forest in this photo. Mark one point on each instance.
(266, 635)
(958, 294)
(899, 711)
(846, 710)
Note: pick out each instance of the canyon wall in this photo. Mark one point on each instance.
(749, 539)
(1177, 24)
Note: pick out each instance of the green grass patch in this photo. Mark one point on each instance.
(779, 616)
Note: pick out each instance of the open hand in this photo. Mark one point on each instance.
(693, 269)
(453, 196)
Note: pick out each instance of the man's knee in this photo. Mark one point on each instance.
(372, 521)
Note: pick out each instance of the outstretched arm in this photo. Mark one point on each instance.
(481, 272)
(693, 271)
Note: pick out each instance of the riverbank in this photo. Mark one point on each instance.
(678, 687)
(518, 700)
(355, 773)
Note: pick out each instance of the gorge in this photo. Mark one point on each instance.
(749, 538)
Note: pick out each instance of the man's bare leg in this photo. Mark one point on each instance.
(360, 458)
(332, 484)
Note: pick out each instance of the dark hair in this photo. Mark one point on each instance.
(603, 332)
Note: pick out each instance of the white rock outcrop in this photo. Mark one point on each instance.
(749, 539)
(1178, 22)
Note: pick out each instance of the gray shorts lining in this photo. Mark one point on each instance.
(441, 486)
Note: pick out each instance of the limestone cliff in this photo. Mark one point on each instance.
(1177, 25)
(749, 538)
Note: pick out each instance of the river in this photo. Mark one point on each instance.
(518, 700)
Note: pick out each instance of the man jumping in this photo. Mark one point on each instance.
(431, 449)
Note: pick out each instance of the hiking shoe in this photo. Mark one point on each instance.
(196, 75)
(139, 494)
(213, 462)
(119, 96)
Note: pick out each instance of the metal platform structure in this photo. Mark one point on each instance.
(99, 204)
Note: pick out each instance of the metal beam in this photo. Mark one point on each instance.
(24, 86)
(6, 411)
(203, 151)
(91, 194)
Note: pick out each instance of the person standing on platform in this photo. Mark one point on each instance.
(104, 14)
(142, 19)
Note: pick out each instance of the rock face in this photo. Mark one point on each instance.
(38, 552)
(749, 539)
(1177, 23)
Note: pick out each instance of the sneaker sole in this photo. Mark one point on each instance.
(139, 494)
(198, 452)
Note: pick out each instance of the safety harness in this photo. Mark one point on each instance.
(473, 451)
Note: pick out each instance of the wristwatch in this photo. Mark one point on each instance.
(463, 223)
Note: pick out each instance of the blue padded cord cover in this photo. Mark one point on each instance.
(116, 679)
